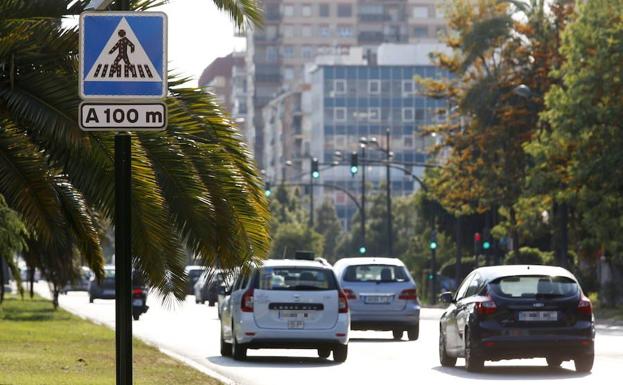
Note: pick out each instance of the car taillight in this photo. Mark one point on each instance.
(486, 307)
(349, 294)
(408, 294)
(137, 291)
(246, 305)
(584, 306)
(342, 301)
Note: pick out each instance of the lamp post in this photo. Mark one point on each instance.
(363, 142)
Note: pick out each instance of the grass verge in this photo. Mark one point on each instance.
(40, 346)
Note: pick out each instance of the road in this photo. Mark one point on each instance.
(192, 331)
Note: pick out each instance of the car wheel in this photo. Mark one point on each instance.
(196, 299)
(136, 316)
(584, 363)
(225, 347)
(413, 332)
(553, 362)
(211, 303)
(473, 361)
(397, 334)
(91, 299)
(324, 353)
(238, 351)
(340, 353)
(444, 358)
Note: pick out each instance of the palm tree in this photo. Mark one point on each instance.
(194, 185)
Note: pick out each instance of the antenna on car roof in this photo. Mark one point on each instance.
(304, 255)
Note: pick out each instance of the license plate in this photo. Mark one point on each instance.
(293, 315)
(296, 324)
(137, 302)
(378, 299)
(542, 316)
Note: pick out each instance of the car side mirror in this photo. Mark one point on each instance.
(447, 297)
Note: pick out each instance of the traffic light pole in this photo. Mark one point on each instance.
(388, 192)
(311, 202)
(363, 196)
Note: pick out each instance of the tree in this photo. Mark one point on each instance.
(289, 239)
(328, 225)
(13, 235)
(194, 184)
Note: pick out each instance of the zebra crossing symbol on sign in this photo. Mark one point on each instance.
(123, 55)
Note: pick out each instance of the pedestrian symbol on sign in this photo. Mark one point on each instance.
(123, 55)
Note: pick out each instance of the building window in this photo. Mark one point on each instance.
(420, 32)
(339, 85)
(271, 32)
(420, 12)
(345, 31)
(288, 73)
(408, 114)
(374, 114)
(288, 10)
(339, 114)
(408, 142)
(374, 86)
(324, 10)
(306, 11)
(407, 87)
(324, 30)
(306, 31)
(287, 51)
(271, 54)
(344, 10)
(307, 52)
(288, 30)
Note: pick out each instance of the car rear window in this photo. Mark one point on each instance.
(375, 273)
(109, 273)
(295, 278)
(534, 286)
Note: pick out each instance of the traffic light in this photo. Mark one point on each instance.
(477, 240)
(362, 250)
(267, 190)
(433, 241)
(354, 163)
(486, 245)
(315, 172)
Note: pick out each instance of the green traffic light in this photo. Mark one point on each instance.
(354, 169)
(430, 277)
(267, 193)
(315, 174)
(486, 245)
(362, 250)
(433, 245)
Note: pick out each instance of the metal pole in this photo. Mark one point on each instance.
(458, 235)
(311, 201)
(363, 196)
(123, 251)
(123, 259)
(390, 241)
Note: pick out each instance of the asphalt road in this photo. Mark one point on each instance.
(192, 331)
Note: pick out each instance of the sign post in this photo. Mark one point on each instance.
(123, 77)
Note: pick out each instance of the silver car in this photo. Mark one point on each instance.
(381, 295)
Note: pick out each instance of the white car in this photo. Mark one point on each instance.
(286, 304)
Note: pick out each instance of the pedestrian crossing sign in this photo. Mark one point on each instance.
(123, 55)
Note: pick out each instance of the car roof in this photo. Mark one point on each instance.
(294, 263)
(368, 261)
(491, 273)
(194, 267)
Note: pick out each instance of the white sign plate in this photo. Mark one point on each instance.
(123, 116)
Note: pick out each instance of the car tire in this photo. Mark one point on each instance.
(397, 334)
(226, 349)
(324, 353)
(554, 362)
(238, 351)
(444, 359)
(136, 316)
(211, 303)
(584, 363)
(340, 353)
(196, 300)
(413, 332)
(91, 299)
(473, 360)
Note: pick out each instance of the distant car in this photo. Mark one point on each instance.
(193, 272)
(104, 289)
(286, 304)
(81, 283)
(381, 294)
(523, 311)
(207, 286)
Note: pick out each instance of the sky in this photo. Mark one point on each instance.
(198, 34)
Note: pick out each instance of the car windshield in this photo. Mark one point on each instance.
(195, 273)
(375, 273)
(295, 278)
(534, 286)
(109, 273)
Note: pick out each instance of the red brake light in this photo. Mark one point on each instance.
(246, 305)
(137, 291)
(584, 306)
(349, 294)
(486, 307)
(342, 302)
(408, 294)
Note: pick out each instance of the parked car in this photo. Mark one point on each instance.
(206, 287)
(508, 312)
(193, 272)
(381, 294)
(286, 304)
(104, 289)
(81, 283)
